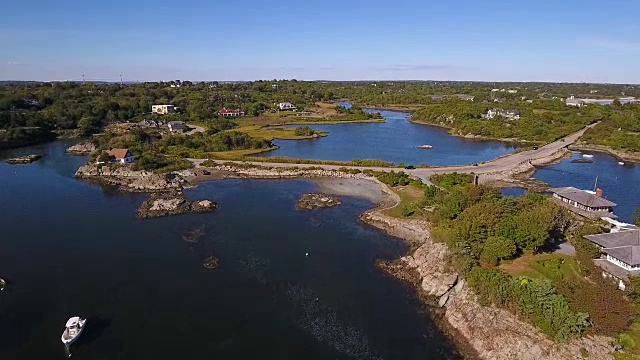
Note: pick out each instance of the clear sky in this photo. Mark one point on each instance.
(493, 40)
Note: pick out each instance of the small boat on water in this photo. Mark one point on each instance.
(587, 155)
(425, 147)
(73, 329)
(2, 284)
(620, 163)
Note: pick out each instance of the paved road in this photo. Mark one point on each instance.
(499, 165)
(195, 129)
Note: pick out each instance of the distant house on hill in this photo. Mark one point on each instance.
(509, 114)
(224, 112)
(120, 156)
(285, 106)
(175, 126)
(465, 97)
(163, 109)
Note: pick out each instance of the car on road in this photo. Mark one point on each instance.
(535, 148)
(409, 167)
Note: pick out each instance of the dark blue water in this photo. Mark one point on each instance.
(395, 141)
(69, 247)
(621, 184)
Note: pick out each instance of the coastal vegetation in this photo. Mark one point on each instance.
(505, 246)
(540, 121)
(620, 130)
(88, 108)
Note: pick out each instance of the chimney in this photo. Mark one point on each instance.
(599, 192)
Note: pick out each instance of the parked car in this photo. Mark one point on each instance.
(409, 167)
(535, 148)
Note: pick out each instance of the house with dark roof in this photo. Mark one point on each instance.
(622, 250)
(590, 204)
(175, 126)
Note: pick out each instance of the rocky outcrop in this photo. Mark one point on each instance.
(313, 201)
(172, 204)
(493, 333)
(28, 159)
(126, 179)
(83, 148)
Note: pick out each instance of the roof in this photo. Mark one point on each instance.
(72, 321)
(617, 239)
(614, 270)
(628, 254)
(118, 153)
(583, 197)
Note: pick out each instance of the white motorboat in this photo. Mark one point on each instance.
(74, 327)
(425, 147)
(587, 156)
(620, 163)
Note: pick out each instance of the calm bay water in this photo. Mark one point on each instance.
(396, 141)
(69, 247)
(621, 184)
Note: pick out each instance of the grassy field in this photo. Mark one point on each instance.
(554, 267)
(408, 195)
(271, 133)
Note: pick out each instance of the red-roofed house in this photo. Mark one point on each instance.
(224, 112)
(121, 156)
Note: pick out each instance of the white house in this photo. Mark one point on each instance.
(509, 114)
(122, 156)
(572, 101)
(284, 106)
(163, 109)
(224, 112)
(622, 251)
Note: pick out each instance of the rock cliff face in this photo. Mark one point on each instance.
(495, 334)
(82, 148)
(128, 180)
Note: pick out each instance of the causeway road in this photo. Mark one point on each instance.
(493, 168)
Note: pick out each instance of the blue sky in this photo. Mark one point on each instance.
(525, 40)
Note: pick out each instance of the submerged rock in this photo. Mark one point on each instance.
(173, 204)
(211, 262)
(83, 148)
(313, 201)
(194, 235)
(28, 159)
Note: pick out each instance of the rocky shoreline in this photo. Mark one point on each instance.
(620, 155)
(491, 333)
(172, 204)
(82, 148)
